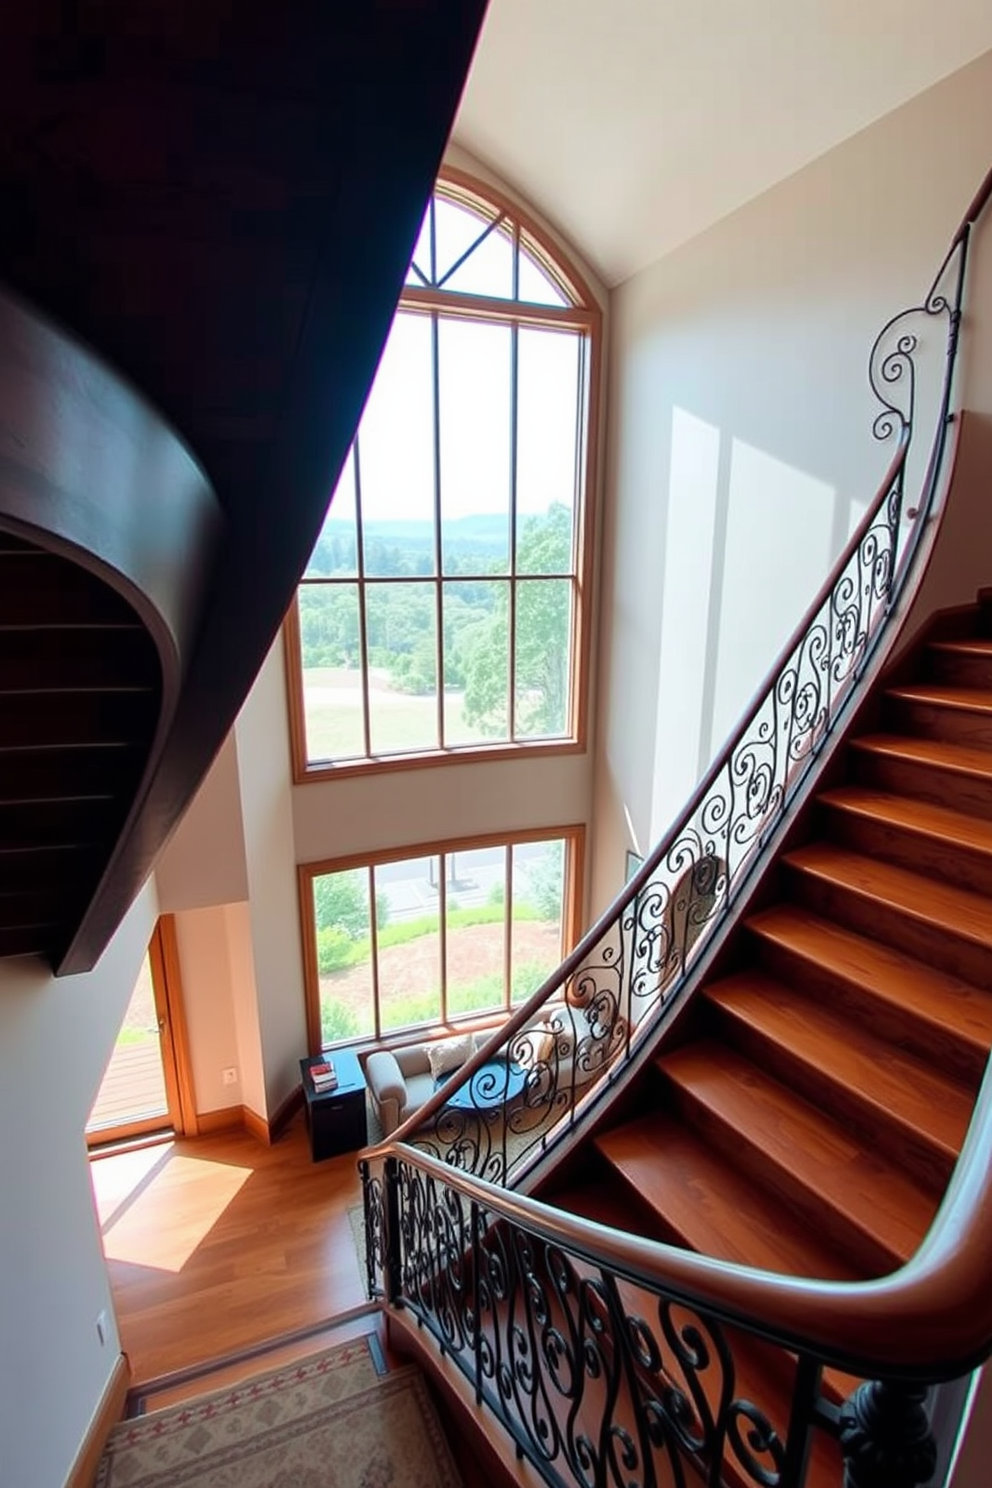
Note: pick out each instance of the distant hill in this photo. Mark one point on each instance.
(485, 530)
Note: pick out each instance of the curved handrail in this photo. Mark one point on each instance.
(931, 1319)
(633, 967)
(449, 1239)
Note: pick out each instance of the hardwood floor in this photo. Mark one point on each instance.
(218, 1244)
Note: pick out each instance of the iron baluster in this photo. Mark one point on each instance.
(885, 1436)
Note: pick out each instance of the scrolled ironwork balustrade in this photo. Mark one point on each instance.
(608, 997)
(607, 1361)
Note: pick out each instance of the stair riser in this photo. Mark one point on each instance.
(47, 720)
(950, 788)
(957, 669)
(53, 872)
(932, 721)
(888, 1020)
(877, 1128)
(869, 916)
(947, 863)
(863, 1250)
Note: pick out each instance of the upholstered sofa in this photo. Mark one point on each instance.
(556, 1049)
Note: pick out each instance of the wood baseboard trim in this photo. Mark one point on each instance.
(285, 1113)
(228, 1117)
(256, 1125)
(108, 1413)
(220, 1120)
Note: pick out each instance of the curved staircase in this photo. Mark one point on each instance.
(807, 1112)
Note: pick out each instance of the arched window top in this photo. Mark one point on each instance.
(475, 245)
(444, 611)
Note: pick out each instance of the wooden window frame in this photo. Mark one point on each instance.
(583, 316)
(574, 837)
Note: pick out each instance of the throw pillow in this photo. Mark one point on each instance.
(448, 1054)
(534, 1045)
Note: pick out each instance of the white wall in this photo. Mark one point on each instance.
(740, 451)
(204, 862)
(56, 1036)
(270, 854)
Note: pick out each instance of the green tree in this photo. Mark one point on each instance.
(341, 904)
(543, 613)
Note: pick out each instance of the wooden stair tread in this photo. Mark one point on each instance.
(965, 646)
(953, 827)
(945, 1001)
(938, 753)
(713, 1208)
(871, 1195)
(893, 1084)
(972, 699)
(954, 911)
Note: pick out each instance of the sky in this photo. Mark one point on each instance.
(396, 433)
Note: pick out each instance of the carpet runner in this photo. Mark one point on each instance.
(326, 1421)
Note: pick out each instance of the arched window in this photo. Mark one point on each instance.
(444, 608)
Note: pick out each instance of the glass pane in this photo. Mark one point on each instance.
(476, 662)
(407, 922)
(133, 1085)
(336, 550)
(488, 269)
(547, 446)
(402, 631)
(537, 914)
(419, 271)
(543, 662)
(344, 955)
(534, 284)
(396, 454)
(474, 383)
(476, 929)
(332, 678)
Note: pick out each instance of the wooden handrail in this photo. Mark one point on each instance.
(932, 1319)
(977, 206)
(525, 1014)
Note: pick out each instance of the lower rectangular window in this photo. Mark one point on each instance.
(458, 932)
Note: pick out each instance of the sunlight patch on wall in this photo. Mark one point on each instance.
(778, 550)
(203, 1190)
(693, 486)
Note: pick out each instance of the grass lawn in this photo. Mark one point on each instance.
(400, 721)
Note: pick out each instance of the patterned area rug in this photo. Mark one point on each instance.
(324, 1422)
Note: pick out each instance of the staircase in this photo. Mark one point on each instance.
(805, 1117)
(802, 1117)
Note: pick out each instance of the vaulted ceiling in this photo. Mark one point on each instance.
(636, 124)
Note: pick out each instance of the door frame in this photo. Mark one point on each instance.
(166, 979)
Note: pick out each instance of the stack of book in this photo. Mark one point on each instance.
(323, 1076)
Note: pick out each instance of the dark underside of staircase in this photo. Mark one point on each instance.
(806, 1112)
(206, 215)
(80, 694)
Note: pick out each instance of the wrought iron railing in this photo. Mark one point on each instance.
(562, 1051)
(615, 1360)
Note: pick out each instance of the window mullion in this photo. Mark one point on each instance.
(374, 951)
(438, 597)
(363, 635)
(508, 927)
(442, 911)
(511, 605)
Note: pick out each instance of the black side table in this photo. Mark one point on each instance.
(336, 1119)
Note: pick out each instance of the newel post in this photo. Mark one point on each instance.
(885, 1436)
